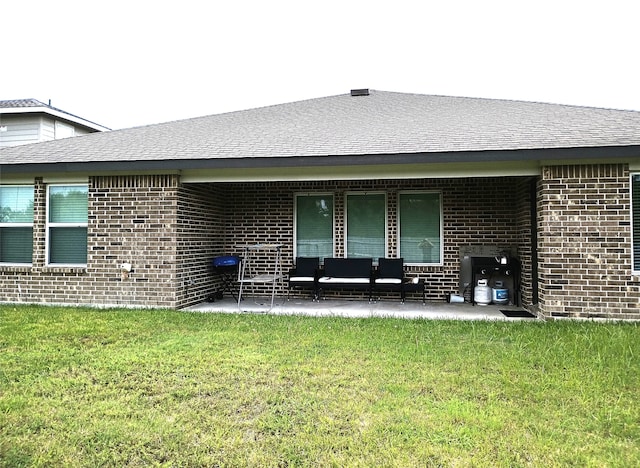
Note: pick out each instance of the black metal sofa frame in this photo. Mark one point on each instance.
(353, 273)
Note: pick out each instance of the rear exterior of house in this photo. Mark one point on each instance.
(565, 214)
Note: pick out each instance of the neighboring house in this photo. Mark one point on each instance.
(25, 121)
(425, 178)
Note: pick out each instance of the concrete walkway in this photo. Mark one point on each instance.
(411, 309)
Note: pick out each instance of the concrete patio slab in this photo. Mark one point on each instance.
(360, 309)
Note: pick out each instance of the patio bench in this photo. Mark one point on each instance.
(346, 273)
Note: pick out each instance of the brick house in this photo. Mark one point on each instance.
(367, 173)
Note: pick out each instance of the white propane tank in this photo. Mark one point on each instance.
(482, 293)
(500, 294)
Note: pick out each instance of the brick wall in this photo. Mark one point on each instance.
(585, 242)
(525, 212)
(131, 219)
(200, 237)
(134, 220)
(40, 283)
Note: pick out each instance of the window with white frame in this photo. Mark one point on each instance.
(635, 217)
(67, 216)
(420, 227)
(366, 225)
(16, 224)
(314, 225)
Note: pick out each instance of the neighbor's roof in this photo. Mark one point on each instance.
(8, 104)
(22, 106)
(381, 125)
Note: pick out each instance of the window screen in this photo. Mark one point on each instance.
(16, 224)
(420, 227)
(314, 226)
(68, 204)
(635, 204)
(67, 224)
(366, 225)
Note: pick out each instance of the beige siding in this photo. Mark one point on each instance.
(48, 129)
(33, 128)
(19, 130)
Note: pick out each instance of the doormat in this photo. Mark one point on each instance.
(517, 313)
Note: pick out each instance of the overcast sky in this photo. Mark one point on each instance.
(138, 62)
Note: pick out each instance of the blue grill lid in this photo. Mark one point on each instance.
(226, 260)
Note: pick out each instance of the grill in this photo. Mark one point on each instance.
(226, 261)
(227, 267)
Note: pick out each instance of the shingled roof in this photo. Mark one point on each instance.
(377, 125)
(11, 103)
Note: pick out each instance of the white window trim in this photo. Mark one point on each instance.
(295, 219)
(441, 214)
(50, 225)
(19, 225)
(386, 218)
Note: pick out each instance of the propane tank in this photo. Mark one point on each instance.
(482, 293)
(500, 294)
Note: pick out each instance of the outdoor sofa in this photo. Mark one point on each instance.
(346, 273)
(354, 274)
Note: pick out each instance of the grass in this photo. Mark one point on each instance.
(85, 387)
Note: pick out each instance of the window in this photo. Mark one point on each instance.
(420, 227)
(67, 224)
(635, 214)
(16, 224)
(366, 225)
(314, 226)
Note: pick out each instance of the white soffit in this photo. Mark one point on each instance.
(391, 171)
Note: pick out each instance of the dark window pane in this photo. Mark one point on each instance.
(68, 245)
(16, 245)
(366, 225)
(314, 226)
(420, 227)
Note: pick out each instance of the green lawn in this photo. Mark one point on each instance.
(85, 387)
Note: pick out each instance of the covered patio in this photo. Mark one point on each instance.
(473, 216)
